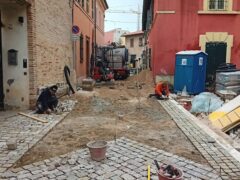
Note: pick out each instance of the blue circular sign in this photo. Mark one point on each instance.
(75, 29)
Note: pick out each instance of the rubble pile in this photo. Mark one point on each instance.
(235, 135)
(144, 76)
(65, 106)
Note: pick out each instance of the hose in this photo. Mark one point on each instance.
(67, 74)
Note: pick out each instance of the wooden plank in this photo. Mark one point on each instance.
(233, 117)
(226, 129)
(225, 109)
(33, 117)
(237, 111)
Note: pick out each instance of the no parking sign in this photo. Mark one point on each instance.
(75, 29)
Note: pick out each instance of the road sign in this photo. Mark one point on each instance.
(75, 29)
(75, 37)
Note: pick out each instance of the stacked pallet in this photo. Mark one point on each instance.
(228, 81)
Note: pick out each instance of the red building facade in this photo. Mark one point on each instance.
(84, 18)
(212, 26)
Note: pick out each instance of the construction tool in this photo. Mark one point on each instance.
(33, 117)
(157, 165)
(149, 172)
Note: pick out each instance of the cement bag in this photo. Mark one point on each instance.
(206, 102)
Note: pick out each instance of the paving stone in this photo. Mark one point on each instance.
(127, 177)
(27, 175)
(36, 176)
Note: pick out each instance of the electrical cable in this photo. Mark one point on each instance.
(121, 21)
(67, 74)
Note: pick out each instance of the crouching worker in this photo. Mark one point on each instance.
(47, 101)
(161, 89)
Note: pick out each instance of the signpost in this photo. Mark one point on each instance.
(75, 29)
(75, 37)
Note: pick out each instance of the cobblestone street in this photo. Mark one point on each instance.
(216, 155)
(150, 88)
(25, 132)
(125, 160)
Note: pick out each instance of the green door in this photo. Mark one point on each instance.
(217, 53)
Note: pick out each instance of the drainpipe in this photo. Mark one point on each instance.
(95, 32)
(73, 43)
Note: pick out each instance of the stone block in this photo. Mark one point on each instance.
(11, 145)
(88, 84)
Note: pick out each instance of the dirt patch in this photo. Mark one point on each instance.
(95, 117)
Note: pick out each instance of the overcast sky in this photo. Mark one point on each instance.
(126, 21)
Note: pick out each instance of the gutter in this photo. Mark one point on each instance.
(106, 4)
(146, 5)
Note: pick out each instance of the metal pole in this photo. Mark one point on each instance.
(75, 54)
(138, 16)
(1, 72)
(95, 32)
(138, 93)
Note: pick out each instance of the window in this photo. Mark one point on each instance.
(83, 3)
(217, 4)
(132, 42)
(81, 48)
(218, 7)
(92, 8)
(87, 6)
(140, 42)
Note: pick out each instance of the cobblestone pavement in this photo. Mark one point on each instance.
(25, 132)
(217, 157)
(125, 160)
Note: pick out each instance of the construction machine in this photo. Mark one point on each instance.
(111, 63)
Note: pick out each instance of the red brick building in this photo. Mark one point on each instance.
(36, 44)
(208, 25)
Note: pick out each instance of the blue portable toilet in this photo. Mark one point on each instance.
(190, 71)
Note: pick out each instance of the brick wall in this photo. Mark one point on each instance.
(32, 53)
(50, 45)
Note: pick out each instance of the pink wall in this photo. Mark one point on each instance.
(85, 22)
(171, 33)
(108, 37)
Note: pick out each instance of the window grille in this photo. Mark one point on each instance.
(140, 42)
(217, 4)
(87, 6)
(132, 42)
(83, 3)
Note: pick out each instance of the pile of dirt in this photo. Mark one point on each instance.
(145, 76)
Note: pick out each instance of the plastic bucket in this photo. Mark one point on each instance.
(161, 175)
(97, 150)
